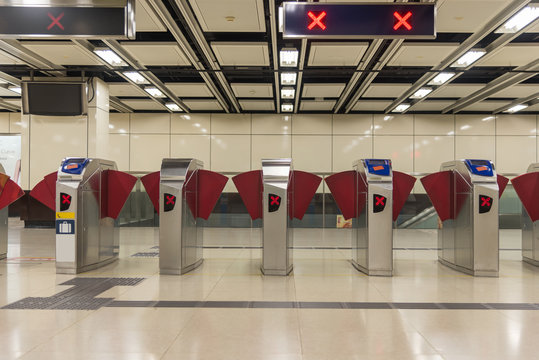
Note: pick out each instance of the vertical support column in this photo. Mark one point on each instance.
(98, 119)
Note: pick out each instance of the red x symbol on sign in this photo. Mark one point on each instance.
(485, 201)
(55, 21)
(317, 21)
(275, 200)
(171, 199)
(66, 199)
(402, 20)
(380, 200)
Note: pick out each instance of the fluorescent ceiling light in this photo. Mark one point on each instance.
(288, 93)
(516, 108)
(520, 20)
(469, 58)
(173, 107)
(287, 107)
(289, 57)
(421, 93)
(135, 77)
(110, 57)
(15, 89)
(153, 91)
(288, 78)
(441, 78)
(401, 108)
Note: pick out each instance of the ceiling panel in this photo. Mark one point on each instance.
(61, 52)
(253, 90)
(336, 54)
(143, 104)
(371, 105)
(125, 89)
(6, 59)
(466, 16)
(517, 91)
(241, 54)
(257, 105)
(189, 89)
(422, 54)
(486, 105)
(431, 105)
(322, 90)
(157, 53)
(326, 105)
(386, 90)
(534, 108)
(513, 55)
(230, 16)
(456, 90)
(146, 19)
(203, 105)
(13, 101)
(7, 92)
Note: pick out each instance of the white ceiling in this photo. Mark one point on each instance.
(189, 89)
(157, 53)
(203, 105)
(7, 92)
(371, 105)
(6, 59)
(466, 16)
(145, 18)
(336, 54)
(386, 90)
(517, 91)
(487, 105)
(125, 89)
(431, 105)
(257, 105)
(322, 90)
(323, 105)
(422, 54)
(142, 104)
(230, 15)
(61, 52)
(242, 53)
(513, 55)
(253, 90)
(456, 90)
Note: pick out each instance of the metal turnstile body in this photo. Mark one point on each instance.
(372, 243)
(85, 238)
(3, 226)
(530, 231)
(469, 241)
(180, 236)
(276, 231)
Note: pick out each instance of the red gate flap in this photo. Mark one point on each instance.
(304, 185)
(342, 186)
(151, 184)
(119, 187)
(50, 181)
(438, 187)
(527, 189)
(210, 187)
(502, 183)
(42, 192)
(249, 185)
(10, 193)
(402, 186)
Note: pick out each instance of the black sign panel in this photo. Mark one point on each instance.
(65, 201)
(321, 20)
(18, 21)
(274, 201)
(169, 201)
(379, 203)
(485, 203)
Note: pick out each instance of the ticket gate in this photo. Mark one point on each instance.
(465, 195)
(182, 193)
(87, 196)
(9, 192)
(276, 194)
(373, 195)
(527, 189)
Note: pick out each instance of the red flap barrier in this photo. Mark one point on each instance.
(10, 192)
(151, 184)
(438, 187)
(210, 186)
(402, 186)
(45, 191)
(527, 189)
(343, 187)
(304, 185)
(502, 183)
(119, 186)
(249, 185)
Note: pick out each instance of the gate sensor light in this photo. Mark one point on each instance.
(516, 108)
(401, 108)
(110, 57)
(135, 77)
(288, 78)
(289, 57)
(441, 78)
(520, 20)
(469, 58)
(421, 93)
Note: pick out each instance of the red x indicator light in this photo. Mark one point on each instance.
(485, 203)
(55, 21)
(66, 199)
(379, 203)
(402, 20)
(170, 201)
(316, 20)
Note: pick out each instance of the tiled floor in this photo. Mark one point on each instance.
(232, 275)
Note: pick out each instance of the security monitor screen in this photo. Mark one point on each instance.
(55, 99)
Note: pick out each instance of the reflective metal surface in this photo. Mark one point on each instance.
(530, 232)
(180, 236)
(277, 234)
(3, 226)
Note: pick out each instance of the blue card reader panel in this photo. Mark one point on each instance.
(380, 167)
(74, 165)
(480, 167)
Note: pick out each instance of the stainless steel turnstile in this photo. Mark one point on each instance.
(276, 231)
(3, 226)
(180, 236)
(372, 235)
(85, 237)
(468, 241)
(530, 229)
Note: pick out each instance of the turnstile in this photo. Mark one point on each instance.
(88, 195)
(182, 192)
(9, 192)
(527, 189)
(372, 194)
(465, 194)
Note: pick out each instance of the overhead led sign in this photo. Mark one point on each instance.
(322, 20)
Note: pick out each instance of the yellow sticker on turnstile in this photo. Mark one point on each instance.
(65, 215)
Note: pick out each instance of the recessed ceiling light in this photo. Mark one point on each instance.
(421, 93)
(401, 108)
(289, 57)
(15, 89)
(287, 107)
(469, 58)
(520, 20)
(173, 106)
(153, 91)
(288, 93)
(135, 77)
(441, 78)
(289, 78)
(516, 108)
(110, 57)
